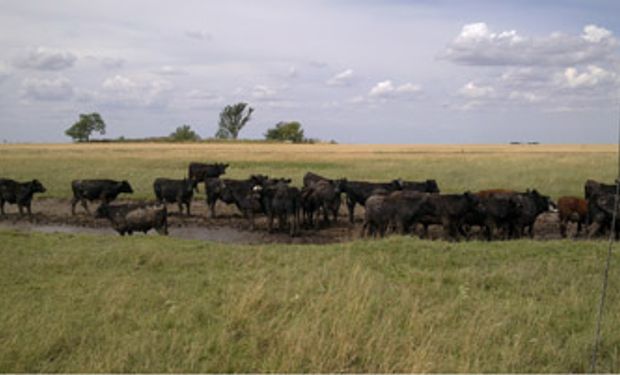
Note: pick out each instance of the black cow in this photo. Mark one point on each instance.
(90, 190)
(529, 205)
(358, 191)
(428, 186)
(322, 195)
(600, 214)
(592, 188)
(19, 193)
(135, 217)
(283, 202)
(171, 191)
(399, 210)
(199, 172)
(451, 210)
(494, 214)
(245, 194)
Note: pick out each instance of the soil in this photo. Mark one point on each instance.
(51, 215)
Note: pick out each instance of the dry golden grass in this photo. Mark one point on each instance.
(553, 169)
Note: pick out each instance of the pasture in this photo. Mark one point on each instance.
(92, 303)
(555, 170)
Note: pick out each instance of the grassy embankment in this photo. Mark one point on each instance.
(554, 170)
(151, 304)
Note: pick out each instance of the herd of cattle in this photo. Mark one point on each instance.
(396, 206)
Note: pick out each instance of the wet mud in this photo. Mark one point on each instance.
(52, 215)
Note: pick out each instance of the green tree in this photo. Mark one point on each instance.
(184, 133)
(286, 131)
(81, 130)
(232, 119)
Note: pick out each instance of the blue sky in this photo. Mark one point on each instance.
(353, 71)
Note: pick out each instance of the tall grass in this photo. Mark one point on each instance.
(555, 170)
(74, 303)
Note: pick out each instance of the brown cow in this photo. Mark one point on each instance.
(491, 192)
(572, 209)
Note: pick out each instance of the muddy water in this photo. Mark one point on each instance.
(54, 216)
(221, 234)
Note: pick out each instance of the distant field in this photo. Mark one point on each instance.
(553, 169)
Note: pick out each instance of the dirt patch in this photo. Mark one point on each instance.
(54, 215)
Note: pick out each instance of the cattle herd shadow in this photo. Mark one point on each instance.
(54, 216)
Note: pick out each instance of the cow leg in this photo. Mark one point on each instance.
(73, 203)
(212, 209)
(325, 213)
(270, 222)
(563, 224)
(2, 207)
(85, 205)
(188, 204)
(351, 208)
(21, 209)
(578, 228)
(180, 204)
(593, 229)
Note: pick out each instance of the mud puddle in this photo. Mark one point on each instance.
(54, 216)
(220, 234)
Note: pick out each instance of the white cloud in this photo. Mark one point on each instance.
(478, 45)
(43, 58)
(58, 88)
(263, 93)
(293, 72)
(4, 72)
(595, 34)
(112, 62)
(126, 92)
(168, 70)
(341, 79)
(387, 89)
(524, 96)
(383, 88)
(471, 90)
(593, 76)
(198, 35)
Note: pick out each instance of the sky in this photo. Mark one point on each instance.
(393, 71)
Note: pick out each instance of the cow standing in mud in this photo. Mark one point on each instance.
(572, 209)
(90, 190)
(135, 217)
(321, 194)
(19, 193)
(175, 191)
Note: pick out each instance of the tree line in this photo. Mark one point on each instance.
(232, 120)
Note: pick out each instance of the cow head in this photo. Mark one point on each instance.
(37, 187)
(125, 187)
(221, 167)
(396, 184)
(431, 186)
(340, 185)
(259, 179)
(543, 203)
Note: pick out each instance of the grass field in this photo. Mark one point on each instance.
(149, 304)
(80, 303)
(554, 170)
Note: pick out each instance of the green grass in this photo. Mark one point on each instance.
(77, 303)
